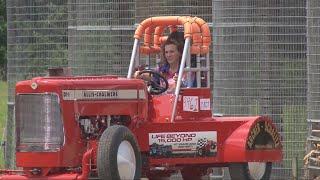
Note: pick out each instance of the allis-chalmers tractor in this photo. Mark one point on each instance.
(110, 127)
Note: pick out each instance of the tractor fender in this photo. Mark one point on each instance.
(237, 146)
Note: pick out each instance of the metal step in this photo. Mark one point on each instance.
(313, 167)
(315, 132)
(313, 120)
(313, 138)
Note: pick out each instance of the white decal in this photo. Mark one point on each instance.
(190, 103)
(182, 144)
(102, 94)
(205, 104)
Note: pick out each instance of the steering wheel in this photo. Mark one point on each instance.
(157, 83)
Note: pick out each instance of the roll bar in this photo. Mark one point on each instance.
(195, 28)
(197, 41)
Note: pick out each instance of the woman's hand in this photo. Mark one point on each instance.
(143, 76)
(136, 74)
(172, 83)
(175, 77)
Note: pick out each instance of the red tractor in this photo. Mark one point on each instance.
(110, 127)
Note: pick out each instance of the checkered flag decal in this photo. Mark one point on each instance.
(202, 142)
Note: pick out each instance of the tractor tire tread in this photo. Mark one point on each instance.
(108, 149)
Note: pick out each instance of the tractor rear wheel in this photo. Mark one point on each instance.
(250, 171)
(193, 173)
(118, 155)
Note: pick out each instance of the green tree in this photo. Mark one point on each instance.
(3, 40)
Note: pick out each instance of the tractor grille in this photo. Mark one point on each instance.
(38, 123)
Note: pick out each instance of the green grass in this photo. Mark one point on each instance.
(3, 116)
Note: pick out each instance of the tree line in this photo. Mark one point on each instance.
(3, 40)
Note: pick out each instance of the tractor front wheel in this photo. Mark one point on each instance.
(250, 171)
(118, 155)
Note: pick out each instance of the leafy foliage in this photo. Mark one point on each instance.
(3, 117)
(3, 40)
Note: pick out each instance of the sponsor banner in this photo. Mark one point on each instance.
(102, 94)
(183, 144)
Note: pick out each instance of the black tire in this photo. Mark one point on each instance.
(240, 171)
(192, 173)
(158, 176)
(109, 143)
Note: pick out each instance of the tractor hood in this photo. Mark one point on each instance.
(61, 84)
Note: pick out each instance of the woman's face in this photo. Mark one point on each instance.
(172, 54)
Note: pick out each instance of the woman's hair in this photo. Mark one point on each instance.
(177, 36)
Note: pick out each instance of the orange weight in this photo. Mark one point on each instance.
(195, 28)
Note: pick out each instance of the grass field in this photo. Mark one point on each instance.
(3, 116)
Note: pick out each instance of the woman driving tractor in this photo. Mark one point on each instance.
(172, 52)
